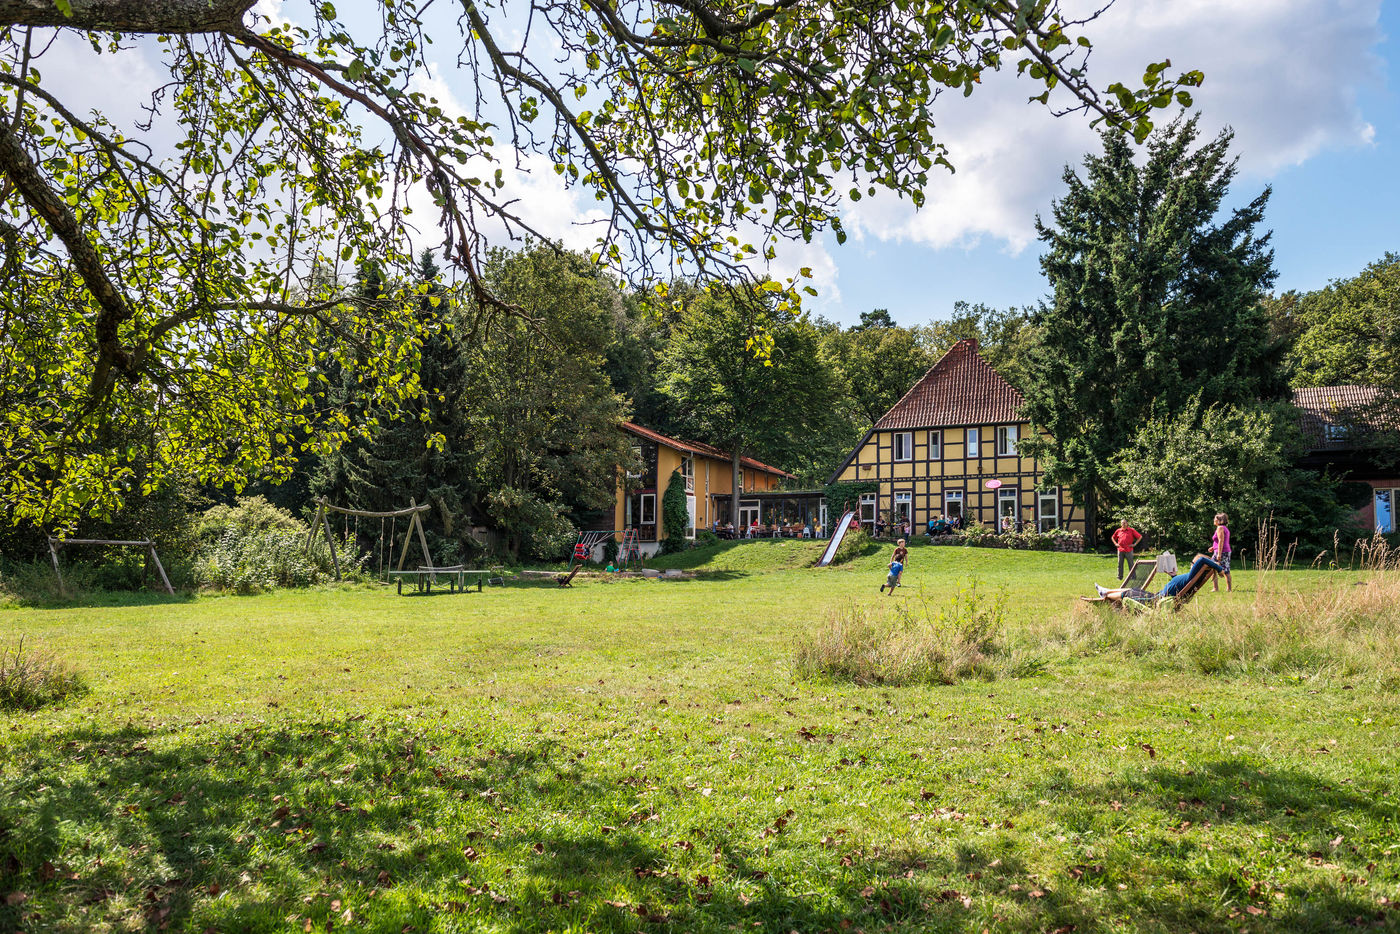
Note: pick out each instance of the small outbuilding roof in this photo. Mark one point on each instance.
(1331, 416)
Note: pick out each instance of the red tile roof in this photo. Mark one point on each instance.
(960, 389)
(704, 450)
(1340, 408)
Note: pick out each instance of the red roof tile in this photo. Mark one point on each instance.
(704, 450)
(960, 389)
(1340, 408)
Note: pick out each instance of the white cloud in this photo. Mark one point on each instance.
(1282, 73)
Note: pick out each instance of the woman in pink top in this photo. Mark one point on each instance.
(1220, 549)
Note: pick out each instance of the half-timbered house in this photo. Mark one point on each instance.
(950, 447)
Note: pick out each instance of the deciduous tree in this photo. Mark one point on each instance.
(174, 284)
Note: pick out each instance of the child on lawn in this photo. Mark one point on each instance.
(901, 554)
(1220, 550)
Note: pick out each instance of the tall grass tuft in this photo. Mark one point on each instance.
(1348, 630)
(913, 642)
(31, 678)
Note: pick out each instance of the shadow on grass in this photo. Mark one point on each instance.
(102, 598)
(401, 822)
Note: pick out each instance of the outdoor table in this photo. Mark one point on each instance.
(424, 577)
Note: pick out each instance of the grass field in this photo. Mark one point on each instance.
(639, 755)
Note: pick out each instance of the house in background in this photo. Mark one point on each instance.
(708, 475)
(1338, 424)
(935, 451)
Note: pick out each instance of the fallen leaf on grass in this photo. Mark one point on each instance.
(16, 898)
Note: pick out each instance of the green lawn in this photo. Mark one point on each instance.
(638, 755)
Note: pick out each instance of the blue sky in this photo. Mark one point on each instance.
(1335, 204)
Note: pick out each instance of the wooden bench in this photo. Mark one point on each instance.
(457, 578)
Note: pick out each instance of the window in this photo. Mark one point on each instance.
(973, 443)
(904, 507)
(904, 445)
(867, 510)
(1006, 441)
(1335, 432)
(1007, 518)
(935, 445)
(1049, 509)
(953, 503)
(1386, 501)
(648, 509)
(636, 453)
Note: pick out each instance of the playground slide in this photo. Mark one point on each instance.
(835, 542)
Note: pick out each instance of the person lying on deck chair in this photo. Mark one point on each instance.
(1173, 587)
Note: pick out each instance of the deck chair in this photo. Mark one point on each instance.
(1185, 595)
(1139, 576)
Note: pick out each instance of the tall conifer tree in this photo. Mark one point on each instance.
(1157, 302)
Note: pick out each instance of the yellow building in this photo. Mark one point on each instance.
(949, 448)
(708, 474)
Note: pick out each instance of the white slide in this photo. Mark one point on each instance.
(835, 542)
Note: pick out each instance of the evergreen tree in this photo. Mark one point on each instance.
(1157, 300)
(421, 450)
(674, 514)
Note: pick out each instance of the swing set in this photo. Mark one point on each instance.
(628, 551)
(424, 576)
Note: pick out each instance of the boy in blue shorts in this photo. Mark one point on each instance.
(901, 554)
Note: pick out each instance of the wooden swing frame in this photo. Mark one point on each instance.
(148, 546)
(322, 524)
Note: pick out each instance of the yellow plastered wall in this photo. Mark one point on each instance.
(940, 463)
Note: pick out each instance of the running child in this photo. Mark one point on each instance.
(901, 554)
(1220, 550)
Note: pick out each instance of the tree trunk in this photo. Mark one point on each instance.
(1091, 517)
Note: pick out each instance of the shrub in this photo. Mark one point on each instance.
(855, 544)
(913, 643)
(259, 561)
(31, 678)
(247, 515)
(705, 537)
(674, 514)
(253, 546)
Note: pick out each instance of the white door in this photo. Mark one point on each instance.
(690, 517)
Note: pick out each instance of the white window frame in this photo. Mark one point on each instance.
(1006, 440)
(1010, 495)
(974, 443)
(906, 499)
(1391, 495)
(954, 496)
(907, 437)
(1051, 496)
(1333, 432)
(935, 445)
(648, 499)
(868, 499)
